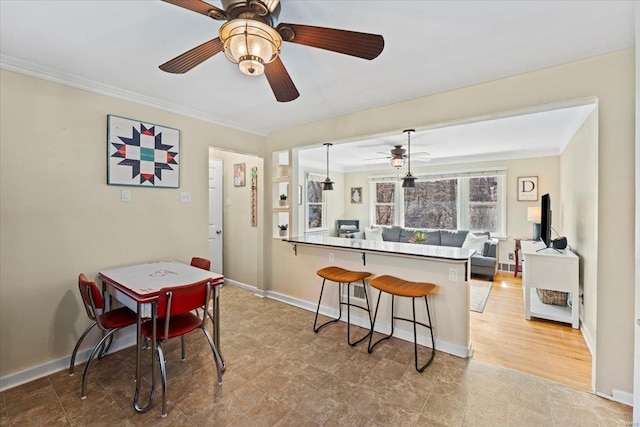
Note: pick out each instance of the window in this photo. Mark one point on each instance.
(466, 200)
(315, 203)
(384, 203)
(432, 204)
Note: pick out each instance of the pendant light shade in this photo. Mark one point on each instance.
(409, 181)
(327, 184)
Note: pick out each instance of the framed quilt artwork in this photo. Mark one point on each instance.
(142, 154)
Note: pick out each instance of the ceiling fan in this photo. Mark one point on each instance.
(252, 38)
(398, 156)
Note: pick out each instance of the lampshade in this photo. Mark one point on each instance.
(533, 214)
(397, 162)
(250, 44)
(408, 181)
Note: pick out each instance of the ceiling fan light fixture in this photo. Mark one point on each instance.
(397, 162)
(251, 44)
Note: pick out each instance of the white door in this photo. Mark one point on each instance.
(215, 215)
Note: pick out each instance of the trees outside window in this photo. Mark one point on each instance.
(461, 202)
(315, 204)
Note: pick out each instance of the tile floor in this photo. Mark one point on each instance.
(282, 374)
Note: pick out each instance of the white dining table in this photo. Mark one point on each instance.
(138, 286)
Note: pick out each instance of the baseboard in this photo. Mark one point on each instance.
(125, 339)
(618, 396)
(587, 338)
(381, 327)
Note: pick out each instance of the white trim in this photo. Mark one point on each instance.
(618, 396)
(33, 70)
(123, 339)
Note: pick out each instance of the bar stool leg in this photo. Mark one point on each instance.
(366, 298)
(316, 329)
(415, 335)
(393, 320)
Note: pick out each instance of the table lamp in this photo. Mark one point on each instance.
(533, 215)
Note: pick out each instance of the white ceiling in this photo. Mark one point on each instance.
(115, 47)
(544, 133)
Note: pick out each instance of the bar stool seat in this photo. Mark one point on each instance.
(342, 276)
(397, 287)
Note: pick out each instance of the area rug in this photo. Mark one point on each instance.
(479, 294)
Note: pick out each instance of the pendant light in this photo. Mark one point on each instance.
(409, 181)
(327, 184)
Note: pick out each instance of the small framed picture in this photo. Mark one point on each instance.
(239, 175)
(527, 188)
(356, 194)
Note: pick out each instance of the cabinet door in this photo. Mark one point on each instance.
(559, 274)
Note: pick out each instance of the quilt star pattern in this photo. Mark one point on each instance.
(142, 154)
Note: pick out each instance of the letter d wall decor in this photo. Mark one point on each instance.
(527, 188)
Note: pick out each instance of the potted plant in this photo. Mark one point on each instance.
(283, 229)
(419, 238)
(283, 200)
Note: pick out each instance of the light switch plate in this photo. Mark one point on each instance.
(185, 197)
(125, 196)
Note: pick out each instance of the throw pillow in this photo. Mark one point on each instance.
(374, 234)
(474, 242)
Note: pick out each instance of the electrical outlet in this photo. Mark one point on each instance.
(453, 275)
(332, 258)
(511, 256)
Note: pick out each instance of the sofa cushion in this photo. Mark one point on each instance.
(406, 235)
(478, 260)
(475, 242)
(490, 248)
(453, 237)
(391, 234)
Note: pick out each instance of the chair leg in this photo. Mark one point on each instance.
(366, 298)
(184, 356)
(317, 329)
(72, 364)
(85, 376)
(163, 378)
(216, 355)
(105, 348)
(386, 337)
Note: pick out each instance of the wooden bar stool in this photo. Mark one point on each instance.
(342, 276)
(403, 288)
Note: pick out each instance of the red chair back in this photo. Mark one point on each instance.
(182, 299)
(202, 263)
(91, 296)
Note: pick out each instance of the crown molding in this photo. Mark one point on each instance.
(45, 73)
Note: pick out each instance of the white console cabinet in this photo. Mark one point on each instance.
(549, 269)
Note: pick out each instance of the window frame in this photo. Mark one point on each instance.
(462, 196)
(310, 176)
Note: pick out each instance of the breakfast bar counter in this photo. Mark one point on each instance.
(446, 267)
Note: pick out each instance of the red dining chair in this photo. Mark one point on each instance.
(175, 318)
(202, 263)
(107, 321)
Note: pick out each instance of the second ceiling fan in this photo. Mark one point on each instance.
(252, 38)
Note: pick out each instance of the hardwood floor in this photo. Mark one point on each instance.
(547, 349)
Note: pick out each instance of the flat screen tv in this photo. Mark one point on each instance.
(545, 220)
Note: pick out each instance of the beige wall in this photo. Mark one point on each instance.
(579, 206)
(59, 218)
(610, 78)
(242, 242)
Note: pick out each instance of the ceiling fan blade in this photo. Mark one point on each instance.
(280, 81)
(201, 7)
(361, 45)
(183, 63)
